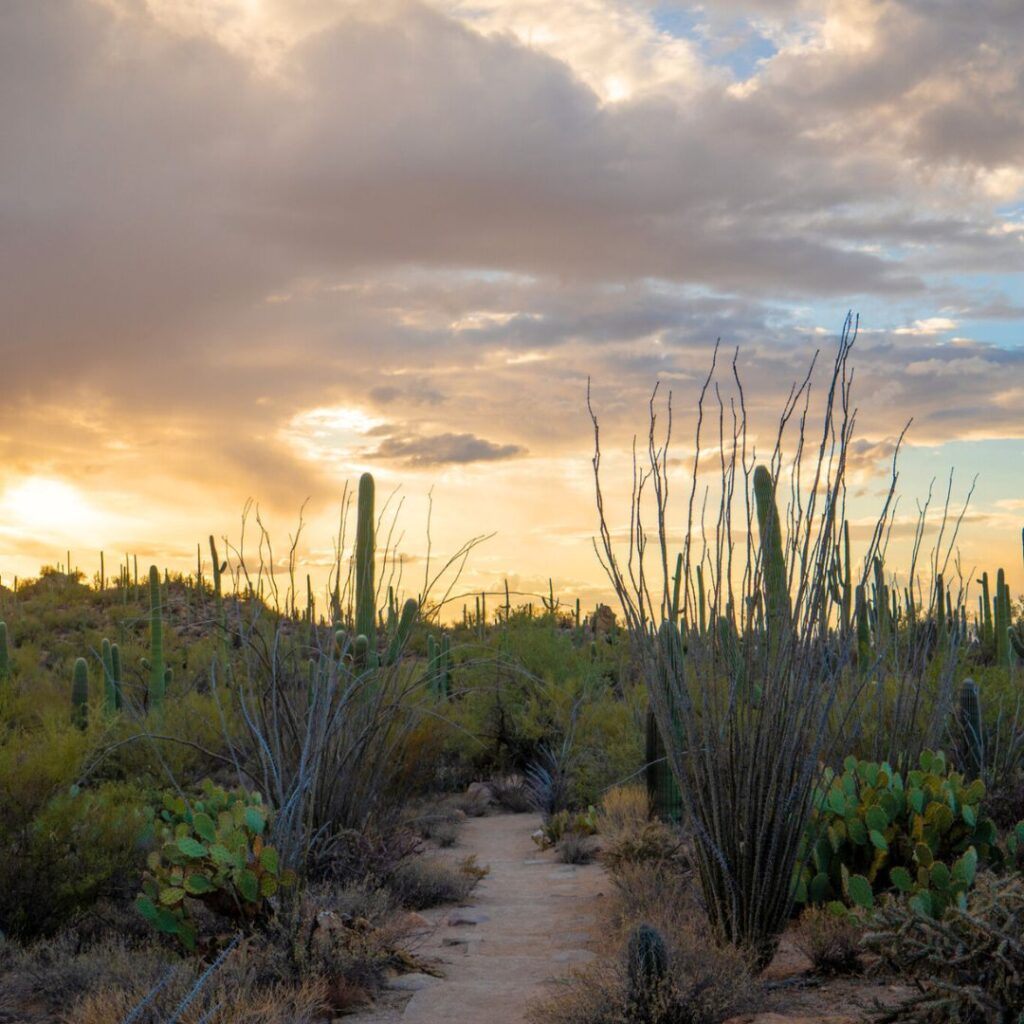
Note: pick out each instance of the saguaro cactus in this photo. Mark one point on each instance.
(111, 679)
(158, 671)
(773, 562)
(366, 581)
(971, 726)
(5, 658)
(80, 693)
(1002, 620)
(402, 629)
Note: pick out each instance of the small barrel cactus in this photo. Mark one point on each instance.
(646, 970)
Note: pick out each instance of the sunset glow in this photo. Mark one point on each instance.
(255, 248)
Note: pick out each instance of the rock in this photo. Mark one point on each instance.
(572, 956)
(467, 916)
(410, 982)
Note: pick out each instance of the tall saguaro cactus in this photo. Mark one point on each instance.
(80, 693)
(5, 658)
(366, 589)
(773, 561)
(158, 672)
(111, 678)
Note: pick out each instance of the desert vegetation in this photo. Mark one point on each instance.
(222, 794)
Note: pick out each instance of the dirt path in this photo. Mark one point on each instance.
(530, 921)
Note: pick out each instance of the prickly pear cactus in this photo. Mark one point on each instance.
(875, 831)
(213, 849)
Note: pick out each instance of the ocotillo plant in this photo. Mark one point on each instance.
(746, 770)
(80, 693)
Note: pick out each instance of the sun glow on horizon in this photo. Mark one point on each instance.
(45, 504)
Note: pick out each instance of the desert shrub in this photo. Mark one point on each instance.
(829, 940)
(968, 967)
(371, 853)
(557, 826)
(211, 849)
(440, 826)
(574, 848)
(624, 808)
(512, 793)
(79, 847)
(687, 980)
(878, 830)
(651, 842)
(419, 883)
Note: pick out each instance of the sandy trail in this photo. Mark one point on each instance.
(534, 918)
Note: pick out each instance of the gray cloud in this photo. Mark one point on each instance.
(443, 450)
(416, 213)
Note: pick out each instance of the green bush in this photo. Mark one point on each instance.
(211, 849)
(873, 831)
(77, 848)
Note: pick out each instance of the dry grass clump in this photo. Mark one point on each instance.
(624, 809)
(420, 883)
(653, 842)
(329, 957)
(512, 793)
(442, 827)
(302, 1003)
(704, 983)
(574, 848)
(830, 941)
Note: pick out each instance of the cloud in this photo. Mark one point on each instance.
(443, 450)
(221, 220)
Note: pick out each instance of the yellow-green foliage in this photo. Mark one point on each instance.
(77, 847)
(531, 687)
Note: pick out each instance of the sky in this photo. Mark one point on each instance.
(252, 248)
